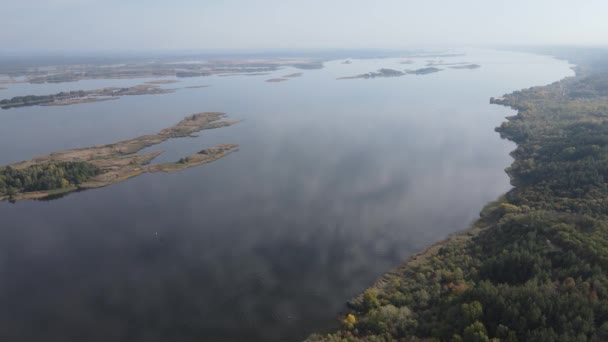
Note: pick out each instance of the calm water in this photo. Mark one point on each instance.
(335, 183)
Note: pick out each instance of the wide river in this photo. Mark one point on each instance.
(335, 183)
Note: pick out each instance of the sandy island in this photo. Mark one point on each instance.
(118, 162)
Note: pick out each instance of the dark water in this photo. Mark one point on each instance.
(335, 183)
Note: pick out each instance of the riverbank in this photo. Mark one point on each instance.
(103, 165)
(533, 266)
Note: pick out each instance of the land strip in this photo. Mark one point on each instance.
(103, 165)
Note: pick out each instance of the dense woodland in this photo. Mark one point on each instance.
(45, 177)
(532, 268)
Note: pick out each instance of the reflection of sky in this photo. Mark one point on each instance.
(335, 183)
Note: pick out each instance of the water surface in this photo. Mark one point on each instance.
(335, 183)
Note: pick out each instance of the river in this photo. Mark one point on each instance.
(335, 183)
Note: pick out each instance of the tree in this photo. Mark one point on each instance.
(476, 332)
(471, 312)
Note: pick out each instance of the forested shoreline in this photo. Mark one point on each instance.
(532, 268)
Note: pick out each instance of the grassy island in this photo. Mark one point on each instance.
(534, 267)
(82, 96)
(103, 165)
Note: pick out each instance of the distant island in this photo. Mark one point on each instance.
(197, 87)
(98, 166)
(379, 73)
(391, 73)
(423, 71)
(161, 82)
(245, 74)
(467, 66)
(158, 68)
(82, 96)
(442, 63)
(294, 75)
(277, 80)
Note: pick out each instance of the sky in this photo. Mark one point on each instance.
(298, 24)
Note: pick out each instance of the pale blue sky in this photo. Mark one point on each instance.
(253, 24)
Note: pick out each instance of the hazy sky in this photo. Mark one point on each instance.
(205, 24)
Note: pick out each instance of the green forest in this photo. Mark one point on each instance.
(532, 267)
(45, 177)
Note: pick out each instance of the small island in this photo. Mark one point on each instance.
(245, 74)
(391, 73)
(277, 80)
(82, 96)
(98, 166)
(162, 82)
(197, 86)
(423, 71)
(379, 73)
(467, 66)
(297, 74)
(184, 74)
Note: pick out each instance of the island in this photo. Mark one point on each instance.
(98, 166)
(534, 267)
(423, 71)
(391, 73)
(466, 66)
(162, 82)
(294, 75)
(277, 80)
(184, 74)
(245, 74)
(82, 96)
(347, 62)
(379, 73)
(197, 86)
(3, 88)
(442, 63)
(161, 67)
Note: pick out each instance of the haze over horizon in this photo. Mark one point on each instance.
(116, 25)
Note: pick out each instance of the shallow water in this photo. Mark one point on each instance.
(335, 183)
